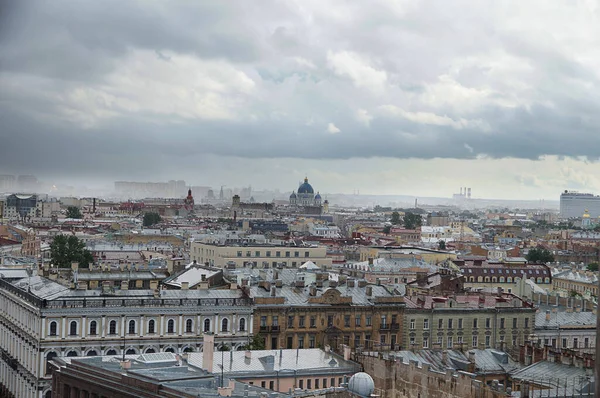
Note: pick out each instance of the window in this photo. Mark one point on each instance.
(268, 253)
(239, 253)
(242, 324)
(475, 323)
(347, 321)
(369, 320)
(271, 385)
(171, 326)
(131, 328)
(564, 343)
(306, 254)
(332, 382)
(309, 384)
(224, 324)
(112, 327)
(275, 321)
(425, 342)
(449, 342)
(93, 328)
(501, 323)
(263, 384)
(313, 322)
(357, 320)
(316, 384)
(52, 328)
(263, 321)
(73, 328)
(290, 321)
(440, 323)
(324, 383)
(586, 342)
(526, 322)
(151, 326)
(487, 341)
(450, 323)
(356, 341)
(111, 352)
(311, 341)
(515, 320)
(287, 254)
(296, 254)
(487, 323)
(256, 254)
(413, 323)
(412, 342)
(329, 320)
(460, 323)
(277, 254)
(474, 342)
(460, 341)
(301, 323)
(301, 342)
(188, 326)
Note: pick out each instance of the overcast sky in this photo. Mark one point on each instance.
(387, 97)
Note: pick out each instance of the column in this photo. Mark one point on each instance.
(83, 326)
(63, 328)
(234, 324)
(142, 327)
(180, 328)
(162, 325)
(217, 327)
(103, 326)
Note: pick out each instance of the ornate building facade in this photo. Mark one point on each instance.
(41, 319)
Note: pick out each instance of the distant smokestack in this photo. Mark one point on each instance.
(94, 205)
(461, 191)
(469, 193)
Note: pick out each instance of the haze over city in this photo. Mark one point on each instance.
(404, 98)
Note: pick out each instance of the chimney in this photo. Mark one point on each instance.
(208, 352)
(444, 357)
(350, 282)
(347, 352)
(362, 283)
(248, 354)
(369, 290)
(312, 291)
(327, 348)
(547, 315)
(370, 260)
(273, 291)
(126, 364)
(279, 283)
(185, 285)
(124, 285)
(244, 281)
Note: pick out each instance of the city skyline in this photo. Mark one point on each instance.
(399, 98)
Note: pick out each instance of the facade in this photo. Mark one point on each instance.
(41, 319)
(293, 310)
(467, 321)
(388, 270)
(20, 206)
(574, 204)
(568, 282)
(257, 255)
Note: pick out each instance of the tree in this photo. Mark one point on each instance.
(387, 229)
(442, 245)
(151, 219)
(74, 212)
(411, 220)
(67, 249)
(540, 255)
(395, 218)
(592, 267)
(257, 343)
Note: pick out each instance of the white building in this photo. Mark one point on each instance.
(574, 204)
(41, 319)
(324, 231)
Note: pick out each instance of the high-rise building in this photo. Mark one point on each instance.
(574, 204)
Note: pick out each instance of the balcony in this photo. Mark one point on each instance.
(395, 326)
(264, 328)
(385, 326)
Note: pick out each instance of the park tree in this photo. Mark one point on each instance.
(74, 212)
(67, 249)
(395, 218)
(442, 245)
(592, 267)
(257, 343)
(412, 221)
(387, 229)
(151, 219)
(539, 255)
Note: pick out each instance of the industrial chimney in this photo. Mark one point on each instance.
(469, 193)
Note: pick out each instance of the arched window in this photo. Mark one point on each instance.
(131, 329)
(509, 279)
(111, 352)
(112, 327)
(73, 328)
(487, 278)
(479, 279)
(151, 326)
(188, 326)
(50, 356)
(150, 351)
(53, 328)
(501, 279)
(242, 324)
(224, 324)
(92, 353)
(188, 349)
(170, 350)
(93, 327)
(171, 326)
(472, 279)
(494, 279)
(539, 280)
(207, 325)
(72, 353)
(130, 351)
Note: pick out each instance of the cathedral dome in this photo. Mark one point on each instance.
(293, 195)
(318, 196)
(306, 187)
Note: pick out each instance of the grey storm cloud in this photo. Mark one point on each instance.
(96, 87)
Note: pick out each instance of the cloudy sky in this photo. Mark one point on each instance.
(387, 97)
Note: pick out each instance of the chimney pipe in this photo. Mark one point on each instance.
(208, 352)
(547, 315)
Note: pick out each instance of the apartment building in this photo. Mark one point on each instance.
(467, 320)
(258, 255)
(568, 282)
(41, 319)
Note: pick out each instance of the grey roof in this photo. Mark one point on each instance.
(564, 319)
(389, 265)
(561, 380)
(487, 361)
(121, 275)
(13, 273)
(312, 361)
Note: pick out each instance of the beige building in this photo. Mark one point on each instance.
(430, 256)
(258, 255)
(584, 283)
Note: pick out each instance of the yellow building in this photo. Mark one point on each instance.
(430, 256)
(258, 255)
